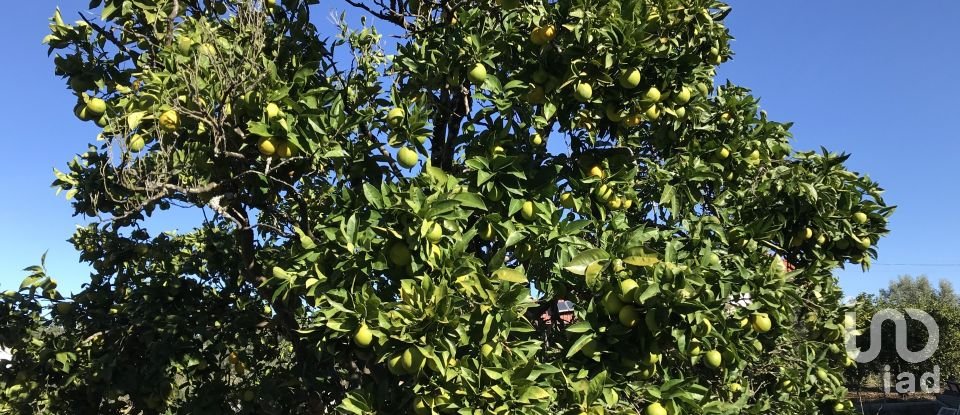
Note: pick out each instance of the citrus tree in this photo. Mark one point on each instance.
(544, 151)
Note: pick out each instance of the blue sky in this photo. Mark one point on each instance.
(877, 82)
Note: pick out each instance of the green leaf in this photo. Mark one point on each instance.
(578, 265)
(577, 345)
(641, 261)
(373, 195)
(510, 275)
(471, 200)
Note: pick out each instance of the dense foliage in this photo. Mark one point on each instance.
(547, 150)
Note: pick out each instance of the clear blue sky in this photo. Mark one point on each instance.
(877, 81)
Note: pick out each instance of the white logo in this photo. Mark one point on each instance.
(933, 340)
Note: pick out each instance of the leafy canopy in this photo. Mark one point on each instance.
(547, 151)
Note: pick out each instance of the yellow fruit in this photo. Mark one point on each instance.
(536, 140)
(407, 157)
(566, 200)
(713, 359)
(603, 193)
(723, 153)
(233, 358)
(632, 120)
(267, 146)
(487, 232)
(363, 337)
(272, 110)
(683, 96)
(860, 218)
(399, 254)
(614, 203)
(652, 96)
(395, 117)
(207, 49)
(653, 113)
(762, 323)
(865, 242)
(583, 92)
(395, 365)
(596, 172)
(96, 106)
(478, 74)
(628, 316)
(630, 78)
(136, 143)
(536, 37)
(285, 150)
(527, 210)
(611, 303)
(169, 121)
(628, 290)
(549, 32)
(412, 360)
(807, 233)
(498, 151)
(754, 157)
(655, 409)
(434, 232)
(627, 204)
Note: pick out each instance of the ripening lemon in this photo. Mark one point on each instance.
(653, 113)
(723, 153)
(267, 146)
(596, 172)
(487, 232)
(527, 210)
(713, 359)
(96, 106)
(478, 74)
(630, 78)
(407, 157)
(860, 218)
(169, 121)
(395, 117)
(136, 143)
(652, 96)
(486, 350)
(548, 32)
(184, 44)
(363, 337)
(655, 409)
(615, 203)
(628, 290)
(395, 365)
(536, 139)
(272, 110)
(583, 92)
(683, 96)
(611, 303)
(399, 254)
(434, 232)
(412, 360)
(603, 193)
(629, 316)
(566, 200)
(285, 150)
(761, 323)
(632, 120)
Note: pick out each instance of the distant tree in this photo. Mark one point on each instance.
(916, 293)
(333, 274)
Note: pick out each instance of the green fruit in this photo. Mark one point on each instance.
(184, 44)
(395, 365)
(860, 218)
(603, 193)
(285, 150)
(683, 96)
(628, 290)
(652, 96)
(723, 153)
(267, 146)
(412, 360)
(652, 113)
(611, 303)
(583, 92)
(838, 407)
(136, 143)
(651, 359)
(395, 117)
(434, 232)
(655, 409)
(486, 232)
(713, 359)
(566, 200)
(536, 140)
(96, 106)
(399, 254)
(629, 79)
(272, 111)
(498, 151)
(478, 74)
(420, 407)
(761, 323)
(613, 113)
(363, 337)
(407, 157)
(527, 210)
(865, 242)
(628, 316)
(757, 345)
(169, 121)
